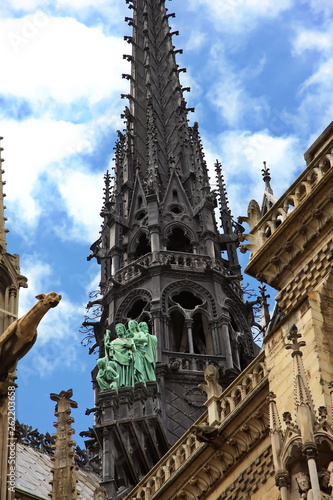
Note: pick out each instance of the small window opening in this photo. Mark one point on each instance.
(176, 209)
(178, 242)
(143, 246)
(139, 201)
(179, 333)
(187, 300)
(137, 309)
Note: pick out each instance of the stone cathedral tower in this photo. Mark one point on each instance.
(163, 261)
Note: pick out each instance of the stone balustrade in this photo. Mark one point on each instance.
(182, 260)
(186, 361)
(262, 227)
(187, 446)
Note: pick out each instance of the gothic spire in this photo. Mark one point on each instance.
(226, 217)
(269, 198)
(156, 119)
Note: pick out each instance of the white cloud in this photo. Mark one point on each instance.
(323, 7)
(57, 340)
(82, 196)
(312, 40)
(45, 58)
(229, 92)
(239, 16)
(315, 93)
(242, 154)
(105, 6)
(30, 148)
(196, 41)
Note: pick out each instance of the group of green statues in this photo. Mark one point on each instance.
(130, 358)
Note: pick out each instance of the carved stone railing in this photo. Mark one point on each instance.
(133, 269)
(182, 361)
(186, 260)
(262, 228)
(188, 446)
(179, 260)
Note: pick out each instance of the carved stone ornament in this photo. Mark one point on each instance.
(195, 397)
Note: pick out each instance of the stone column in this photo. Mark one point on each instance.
(189, 323)
(226, 345)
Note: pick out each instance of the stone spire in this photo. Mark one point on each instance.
(230, 237)
(157, 128)
(64, 476)
(269, 198)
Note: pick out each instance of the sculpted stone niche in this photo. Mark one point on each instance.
(129, 359)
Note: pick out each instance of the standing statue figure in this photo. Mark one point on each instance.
(107, 376)
(121, 351)
(145, 356)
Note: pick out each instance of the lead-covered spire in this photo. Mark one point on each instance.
(157, 130)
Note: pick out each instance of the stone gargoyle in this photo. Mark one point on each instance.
(21, 335)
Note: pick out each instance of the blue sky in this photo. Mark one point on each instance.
(261, 78)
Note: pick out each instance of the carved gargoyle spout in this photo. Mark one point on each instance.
(21, 335)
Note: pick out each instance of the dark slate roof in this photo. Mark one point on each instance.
(33, 475)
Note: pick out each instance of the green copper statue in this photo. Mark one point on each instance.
(131, 356)
(145, 357)
(107, 376)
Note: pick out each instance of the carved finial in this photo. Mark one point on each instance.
(64, 476)
(287, 418)
(266, 176)
(295, 345)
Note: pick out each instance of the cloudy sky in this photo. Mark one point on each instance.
(261, 78)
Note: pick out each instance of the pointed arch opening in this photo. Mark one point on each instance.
(178, 241)
(202, 335)
(143, 247)
(179, 339)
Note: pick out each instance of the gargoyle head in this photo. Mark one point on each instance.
(51, 299)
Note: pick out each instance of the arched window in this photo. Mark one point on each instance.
(137, 309)
(139, 201)
(178, 241)
(179, 339)
(143, 246)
